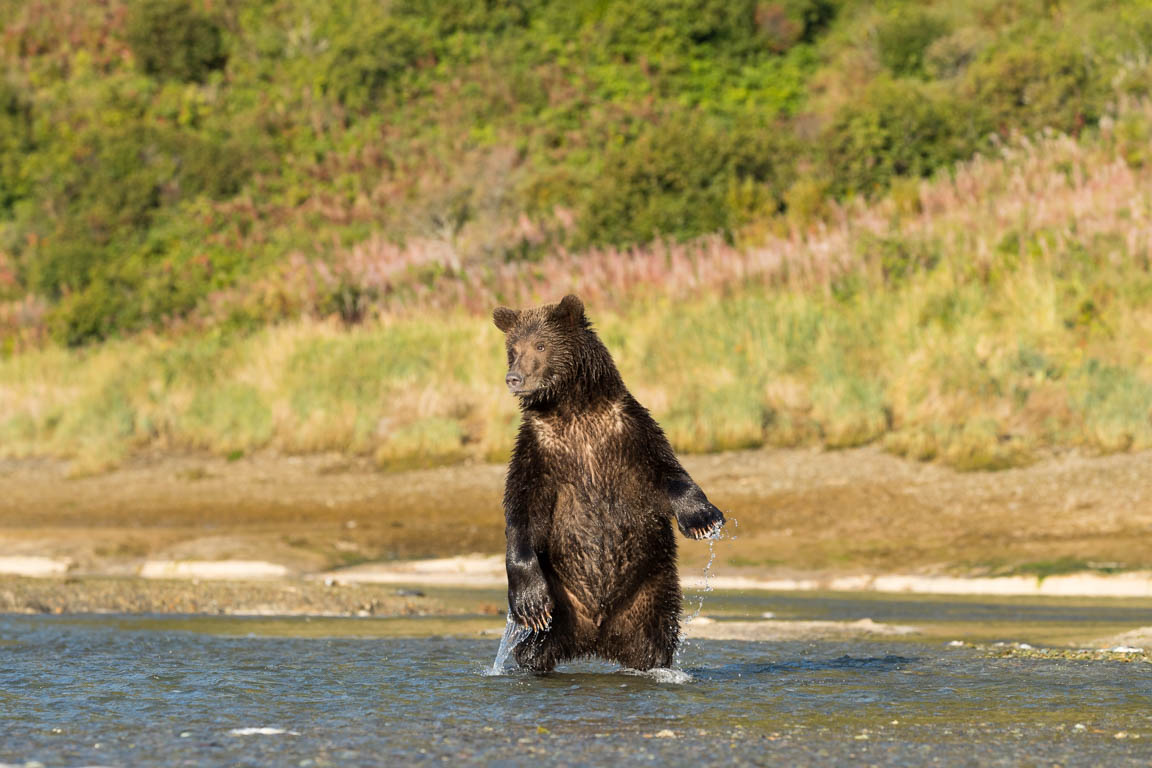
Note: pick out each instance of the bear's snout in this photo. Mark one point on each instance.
(514, 381)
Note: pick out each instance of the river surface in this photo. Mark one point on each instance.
(121, 690)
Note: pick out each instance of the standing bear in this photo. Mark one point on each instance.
(591, 491)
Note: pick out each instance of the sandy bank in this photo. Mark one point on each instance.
(1140, 638)
(31, 566)
(187, 596)
(841, 513)
(487, 571)
(777, 630)
(225, 570)
(1135, 584)
(847, 521)
(471, 571)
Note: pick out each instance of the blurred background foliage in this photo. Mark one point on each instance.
(154, 152)
(202, 169)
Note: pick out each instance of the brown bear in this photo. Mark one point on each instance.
(592, 488)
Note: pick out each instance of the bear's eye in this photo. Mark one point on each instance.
(539, 347)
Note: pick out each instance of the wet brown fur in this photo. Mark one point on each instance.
(592, 489)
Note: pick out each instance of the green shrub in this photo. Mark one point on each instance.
(372, 59)
(1039, 83)
(685, 177)
(815, 15)
(15, 142)
(950, 56)
(134, 290)
(579, 123)
(904, 35)
(101, 257)
(92, 314)
(172, 39)
(781, 25)
(1134, 139)
(676, 24)
(896, 128)
(452, 16)
(111, 193)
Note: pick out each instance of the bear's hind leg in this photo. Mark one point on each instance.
(645, 631)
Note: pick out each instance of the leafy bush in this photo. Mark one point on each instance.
(172, 39)
(372, 59)
(1034, 84)
(904, 35)
(15, 142)
(111, 192)
(897, 128)
(950, 55)
(676, 24)
(682, 178)
(503, 128)
(782, 25)
(814, 15)
(452, 16)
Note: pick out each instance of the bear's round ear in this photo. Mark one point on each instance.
(570, 310)
(505, 318)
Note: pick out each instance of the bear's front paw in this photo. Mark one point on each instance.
(531, 605)
(702, 521)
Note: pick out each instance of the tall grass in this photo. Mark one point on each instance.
(980, 319)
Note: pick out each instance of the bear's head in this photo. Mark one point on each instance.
(545, 345)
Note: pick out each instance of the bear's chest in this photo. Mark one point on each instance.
(585, 449)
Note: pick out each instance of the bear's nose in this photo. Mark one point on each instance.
(513, 380)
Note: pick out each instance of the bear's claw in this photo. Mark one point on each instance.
(708, 532)
(536, 621)
(533, 612)
(704, 521)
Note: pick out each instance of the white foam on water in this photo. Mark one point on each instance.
(262, 732)
(661, 675)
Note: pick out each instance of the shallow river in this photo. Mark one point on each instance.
(115, 690)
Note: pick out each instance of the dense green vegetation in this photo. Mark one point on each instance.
(278, 223)
(162, 160)
(984, 318)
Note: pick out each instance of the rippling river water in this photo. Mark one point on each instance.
(227, 691)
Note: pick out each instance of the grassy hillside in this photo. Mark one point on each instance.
(185, 166)
(981, 318)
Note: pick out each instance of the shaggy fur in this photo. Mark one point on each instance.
(592, 489)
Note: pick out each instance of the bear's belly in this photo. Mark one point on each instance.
(602, 548)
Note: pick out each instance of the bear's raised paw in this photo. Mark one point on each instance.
(703, 521)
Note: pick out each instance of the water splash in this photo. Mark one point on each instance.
(727, 531)
(514, 634)
(262, 732)
(706, 587)
(720, 533)
(661, 675)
